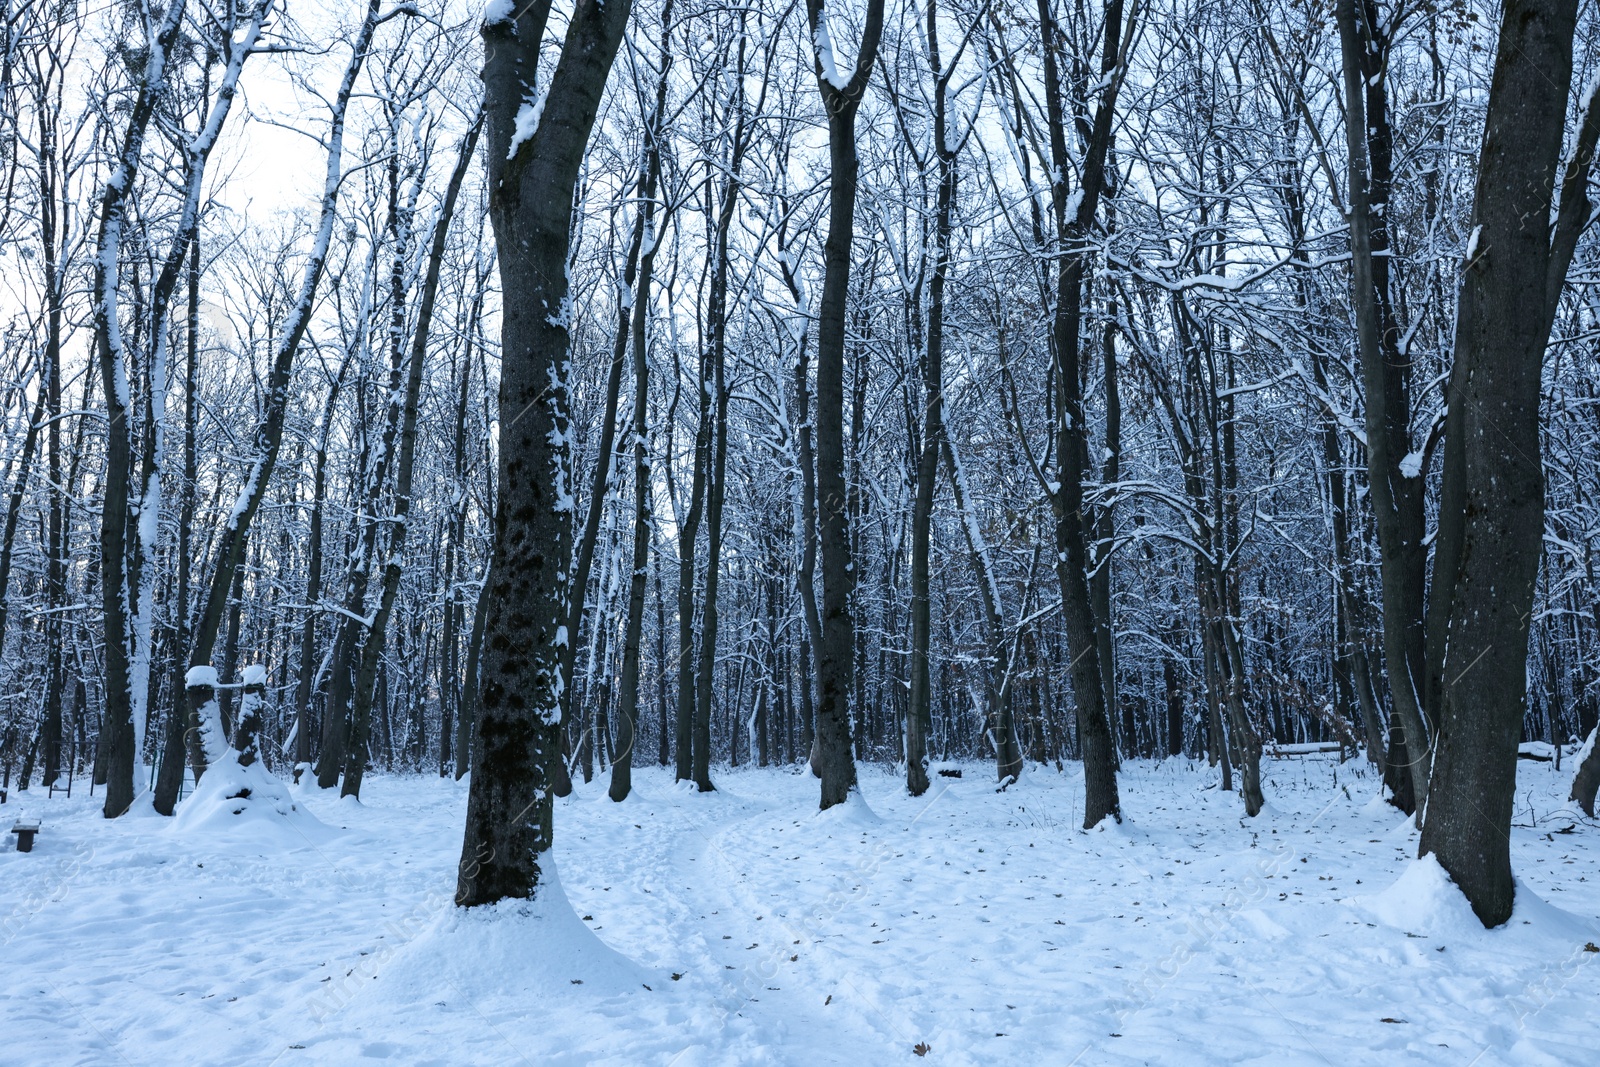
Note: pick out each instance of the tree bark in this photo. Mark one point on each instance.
(516, 737)
(305, 685)
(639, 305)
(716, 487)
(1072, 229)
(169, 777)
(841, 99)
(1586, 783)
(1397, 490)
(118, 731)
(1485, 571)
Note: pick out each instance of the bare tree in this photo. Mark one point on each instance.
(1492, 500)
(842, 94)
(535, 148)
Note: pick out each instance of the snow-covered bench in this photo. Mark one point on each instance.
(25, 831)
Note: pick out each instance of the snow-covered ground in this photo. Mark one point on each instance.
(742, 927)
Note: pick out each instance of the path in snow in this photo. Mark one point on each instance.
(985, 925)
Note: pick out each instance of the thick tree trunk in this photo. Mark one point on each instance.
(836, 658)
(1586, 783)
(516, 738)
(1485, 571)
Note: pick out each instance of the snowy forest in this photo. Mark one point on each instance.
(452, 439)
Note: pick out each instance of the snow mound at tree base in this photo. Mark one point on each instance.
(854, 811)
(524, 950)
(1426, 901)
(234, 798)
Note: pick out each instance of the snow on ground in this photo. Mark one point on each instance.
(742, 927)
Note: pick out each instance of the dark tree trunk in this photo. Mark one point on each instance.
(688, 532)
(836, 655)
(516, 738)
(919, 710)
(633, 627)
(806, 533)
(117, 727)
(1397, 496)
(1071, 430)
(1587, 781)
(169, 777)
(716, 487)
(1104, 530)
(306, 682)
(1173, 682)
(55, 545)
(1492, 501)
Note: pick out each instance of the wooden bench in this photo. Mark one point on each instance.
(25, 832)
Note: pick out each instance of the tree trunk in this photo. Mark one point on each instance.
(467, 713)
(1587, 781)
(516, 738)
(842, 99)
(1172, 680)
(716, 488)
(1397, 495)
(1485, 568)
(1104, 530)
(309, 667)
(806, 534)
(688, 532)
(1071, 430)
(169, 777)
